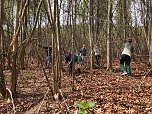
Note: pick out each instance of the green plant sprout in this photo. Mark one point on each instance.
(84, 106)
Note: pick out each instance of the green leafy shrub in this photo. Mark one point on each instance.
(84, 106)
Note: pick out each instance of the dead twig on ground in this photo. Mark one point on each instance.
(147, 73)
(42, 101)
(64, 101)
(9, 91)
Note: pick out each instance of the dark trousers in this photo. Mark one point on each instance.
(48, 61)
(98, 57)
(125, 63)
(70, 68)
(67, 59)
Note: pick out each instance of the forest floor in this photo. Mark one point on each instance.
(114, 94)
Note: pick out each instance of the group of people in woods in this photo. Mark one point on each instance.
(81, 58)
(77, 57)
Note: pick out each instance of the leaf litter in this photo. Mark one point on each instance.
(113, 93)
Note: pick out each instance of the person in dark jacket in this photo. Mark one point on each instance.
(68, 56)
(76, 61)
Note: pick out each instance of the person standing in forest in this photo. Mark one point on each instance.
(48, 53)
(68, 56)
(83, 54)
(125, 58)
(97, 53)
(76, 61)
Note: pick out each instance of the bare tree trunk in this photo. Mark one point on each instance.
(72, 40)
(23, 37)
(56, 58)
(52, 23)
(20, 12)
(124, 19)
(150, 32)
(1, 25)
(58, 45)
(109, 27)
(73, 30)
(83, 24)
(137, 44)
(56, 52)
(91, 33)
(150, 53)
(2, 80)
(147, 11)
(97, 22)
(14, 69)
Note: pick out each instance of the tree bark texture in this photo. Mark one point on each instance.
(109, 30)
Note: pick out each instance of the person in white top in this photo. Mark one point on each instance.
(97, 52)
(125, 58)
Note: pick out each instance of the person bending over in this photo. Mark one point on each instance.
(125, 58)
